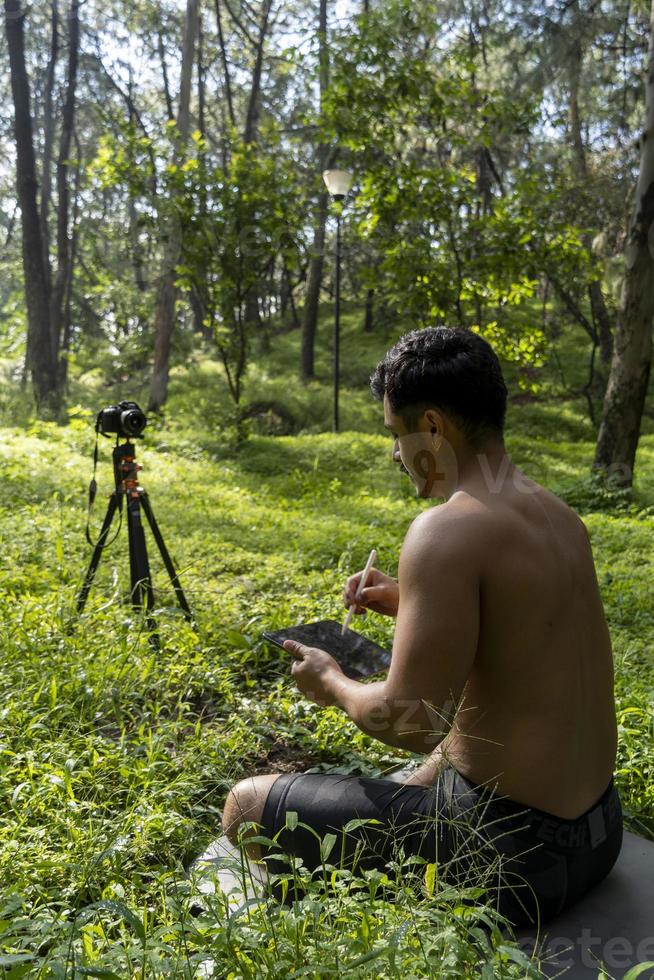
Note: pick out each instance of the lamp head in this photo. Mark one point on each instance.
(338, 182)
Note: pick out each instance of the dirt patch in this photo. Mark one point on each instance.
(282, 758)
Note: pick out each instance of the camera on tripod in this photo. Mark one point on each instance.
(125, 419)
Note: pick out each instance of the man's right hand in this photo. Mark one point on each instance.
(381, 593)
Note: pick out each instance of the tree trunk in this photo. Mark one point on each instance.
(314, 282)
(601, 317)
(287, 298)
(134, 235)
(624, 400)
(252, 311)
(201, 83)
(164, 75)
(369, 318)
(284, 289)
(225, 64)
(64, 254)
(41, 361)
(68, 294)
(197, 299)
(164, 318)
(254, 102)
(312, 298)
(48, 141)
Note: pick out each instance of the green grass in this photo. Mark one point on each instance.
(115, 759)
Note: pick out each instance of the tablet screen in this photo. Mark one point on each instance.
(356, 655)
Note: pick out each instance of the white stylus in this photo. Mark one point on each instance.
(362, 585)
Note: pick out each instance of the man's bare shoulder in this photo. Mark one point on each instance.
(559, 514)
(461, 511)
(566, 512)
(467, 526)
(458, 527)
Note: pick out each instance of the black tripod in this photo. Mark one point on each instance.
(128, 489)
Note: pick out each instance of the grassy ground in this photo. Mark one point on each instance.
(116, 759)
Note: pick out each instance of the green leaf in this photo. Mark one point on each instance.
(238, 640)
(358, 822)
(327, 846)
(121, 910)
(513, 954)
(636, 971)
(430, 878)
(372, 955)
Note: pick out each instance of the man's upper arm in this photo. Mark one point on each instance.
(438, 619)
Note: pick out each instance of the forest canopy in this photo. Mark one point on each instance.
(161, 186)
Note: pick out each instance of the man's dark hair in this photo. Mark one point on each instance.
(455, 370)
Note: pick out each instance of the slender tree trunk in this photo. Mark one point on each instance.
(41, 361)
(198, 292)
(201, 80)
(600, 313)
(254, 102)
(369, 318)
(284, 286)
(312, 297)
(68, 294)
(64, 256)
(287, 298)
(252, 311)
(314, 282)
(137, 248)
(197, 299)
(48, 141)
(601, 317)
(615, 454)
(164, 318)
(164, 75)
(225, 64)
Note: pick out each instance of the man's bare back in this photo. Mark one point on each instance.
(501, 660)
(537, 715)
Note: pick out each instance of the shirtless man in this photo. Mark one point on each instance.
(501, 672)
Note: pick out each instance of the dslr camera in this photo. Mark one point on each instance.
(126, 419)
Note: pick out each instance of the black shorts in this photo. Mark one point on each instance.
(531, 863)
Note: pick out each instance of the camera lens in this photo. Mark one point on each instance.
(133, 422)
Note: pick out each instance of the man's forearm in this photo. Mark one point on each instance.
(426, 773)
(404, 723)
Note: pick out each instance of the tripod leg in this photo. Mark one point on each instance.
(138, 556)
(97, 552)
(141, 579)
(170, 568)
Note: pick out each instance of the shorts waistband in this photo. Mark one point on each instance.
(589, 830)
(586, 831)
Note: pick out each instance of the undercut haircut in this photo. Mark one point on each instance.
(452, 369)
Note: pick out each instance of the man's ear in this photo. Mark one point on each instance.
(435, 421)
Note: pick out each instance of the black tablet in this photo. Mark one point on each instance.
(356, 655)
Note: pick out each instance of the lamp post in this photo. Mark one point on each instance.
(338, 183)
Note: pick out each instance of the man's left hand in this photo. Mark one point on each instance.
(313, 671)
